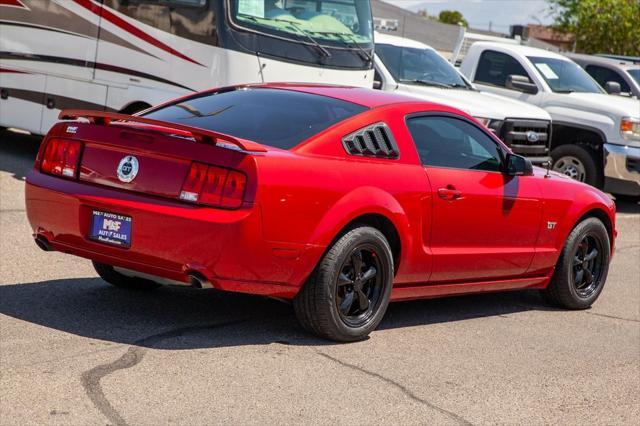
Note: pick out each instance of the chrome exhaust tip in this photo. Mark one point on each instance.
(198, 280)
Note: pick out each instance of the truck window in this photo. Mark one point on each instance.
(494, 68)
(602, 75)
(564, 76)
(421, 66)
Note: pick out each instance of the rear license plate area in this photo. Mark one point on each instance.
(111, 228)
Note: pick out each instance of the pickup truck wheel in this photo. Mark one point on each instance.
(575, 162)
(348, 293)
(582, 267)
(115, 278)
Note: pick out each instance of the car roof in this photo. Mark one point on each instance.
(358, 95)
(399, 41)
(601, 60)
(524, 50)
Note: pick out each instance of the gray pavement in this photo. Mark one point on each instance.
(74, 350)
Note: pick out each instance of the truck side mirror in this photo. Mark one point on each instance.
(377, 84)
(521, 83)
(517, 165)
(613, 87)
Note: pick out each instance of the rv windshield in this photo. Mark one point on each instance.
(325, 21)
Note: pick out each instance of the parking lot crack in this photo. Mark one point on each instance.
(91, 378)
(612, 317)
(406, 391)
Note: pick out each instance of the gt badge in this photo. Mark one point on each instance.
(128, 169)
(72, 129)
(551, 225)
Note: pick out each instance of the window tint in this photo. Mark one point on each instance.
(279, 118)
(337, 21)
(564, 76)
(495, 67)
(419, 66)
(454, 143)
(602, 75)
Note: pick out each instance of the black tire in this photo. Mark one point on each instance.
(567, 289)
(583, 163)
(117, 279)
(330, 304)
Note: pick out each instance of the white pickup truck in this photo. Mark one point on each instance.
(416, 69)
(596, 137)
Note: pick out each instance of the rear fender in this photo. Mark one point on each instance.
(359, 202)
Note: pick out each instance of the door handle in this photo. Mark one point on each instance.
(450, 193)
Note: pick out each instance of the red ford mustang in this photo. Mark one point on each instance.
(338, 198)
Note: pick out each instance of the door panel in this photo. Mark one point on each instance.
(484, 224)
(23, 96)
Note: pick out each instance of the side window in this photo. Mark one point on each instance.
(453, 143)
(191, 19)
(495, 67)
(602, 75)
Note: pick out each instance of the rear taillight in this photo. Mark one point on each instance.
(214, 186)
(61, 157)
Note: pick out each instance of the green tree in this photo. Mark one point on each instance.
(452, 17)
(600, 26)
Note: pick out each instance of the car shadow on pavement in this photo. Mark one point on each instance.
(176, 319)
(17, 153)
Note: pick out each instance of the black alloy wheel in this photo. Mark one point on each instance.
(348, 293)
(582, 267)
(359, 286)
(587, 266)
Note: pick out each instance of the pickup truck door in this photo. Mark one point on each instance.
(484, 223)
(492, 72)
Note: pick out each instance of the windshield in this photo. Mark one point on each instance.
(279, 118)
(564, 76)
(635, 73)
(419, 66)
(327, 21)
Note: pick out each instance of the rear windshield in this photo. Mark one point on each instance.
(274, 117)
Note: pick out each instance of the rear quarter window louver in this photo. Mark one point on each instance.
(375, 141)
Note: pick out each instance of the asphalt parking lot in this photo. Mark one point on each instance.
(74, 350)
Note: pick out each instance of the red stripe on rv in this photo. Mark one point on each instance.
(116, 20)
(9, 70)
(14, 3)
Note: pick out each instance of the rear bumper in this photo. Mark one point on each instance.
(169, 239)
(622, 169)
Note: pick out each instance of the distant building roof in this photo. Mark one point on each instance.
(395, 20)
(549, 35)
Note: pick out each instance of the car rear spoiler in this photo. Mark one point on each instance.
(200, 135)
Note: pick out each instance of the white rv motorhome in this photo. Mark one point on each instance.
(126, 55)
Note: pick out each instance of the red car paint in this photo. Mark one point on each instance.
(502, 233)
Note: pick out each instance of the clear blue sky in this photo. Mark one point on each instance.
(501, 13)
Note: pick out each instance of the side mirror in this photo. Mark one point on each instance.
(517, 165)
(377, 84)
(613, 87)
(521, 83)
